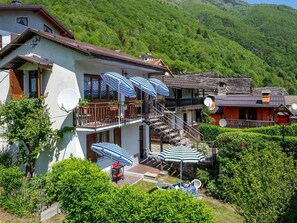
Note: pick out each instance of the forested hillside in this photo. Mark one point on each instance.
(229, 37)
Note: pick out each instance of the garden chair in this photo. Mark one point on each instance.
(197, 184)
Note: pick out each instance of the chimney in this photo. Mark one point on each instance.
(16, 2)
(266, 96)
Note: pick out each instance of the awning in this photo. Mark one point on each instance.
(160, 87)
(119, 83)
(181, 154)
(143, 85)
(32, 58)
(113, 152)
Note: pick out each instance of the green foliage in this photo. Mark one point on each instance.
(260, 183)
(27, 121)
(72, 166)
(255, 175)
(210, 132)
(5, 159)
(87, 195)
(11, 180)
(205, 115)
(175, 206)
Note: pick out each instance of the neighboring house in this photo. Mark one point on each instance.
(247, 111)
(39, 63)
(188, 91)
(16, 18)
(233, 99)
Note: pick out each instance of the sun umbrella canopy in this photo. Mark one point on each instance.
(159, 86)
(181, 154)
(144, 85)
(119, 83)
(114, 152)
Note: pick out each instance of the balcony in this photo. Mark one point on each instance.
(242, 123)
(98, 115)
(172, 102)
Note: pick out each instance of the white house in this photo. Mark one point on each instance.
(39, 63)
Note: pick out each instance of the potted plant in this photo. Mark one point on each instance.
(138, 103)
(114, 105)
(84, 103)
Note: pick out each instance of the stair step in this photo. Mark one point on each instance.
(173, 134)
(158, 123)
(162, 127)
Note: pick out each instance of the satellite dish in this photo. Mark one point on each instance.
(223, 122)
(294, 106)
(208, 102)
(67, 100)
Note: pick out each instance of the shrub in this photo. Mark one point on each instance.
(175, 206)
(5, 159)
(70, 166)
(11, 180)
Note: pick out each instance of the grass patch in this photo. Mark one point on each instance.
(223, 213)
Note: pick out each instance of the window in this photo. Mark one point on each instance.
(22, 20)
(95, 89)
(33, 84)
(47, 29)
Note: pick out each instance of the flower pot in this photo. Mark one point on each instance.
(114, 108)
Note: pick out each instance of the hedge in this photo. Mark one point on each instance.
(211, 132)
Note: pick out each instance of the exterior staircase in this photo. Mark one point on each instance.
(171, 128)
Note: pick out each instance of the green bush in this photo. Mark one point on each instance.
(210, 132)
(87, 195)
(5, 159)
(70, 166)
(255, 175)
(11, 180)
(175, 206)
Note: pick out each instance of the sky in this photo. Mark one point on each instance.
(292, 3)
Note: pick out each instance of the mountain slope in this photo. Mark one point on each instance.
(268, 31)
(186, 39)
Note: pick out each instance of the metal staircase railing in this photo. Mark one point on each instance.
(186, 132)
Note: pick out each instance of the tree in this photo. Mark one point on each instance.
(27, 121)
(205, 115)
(261, 184)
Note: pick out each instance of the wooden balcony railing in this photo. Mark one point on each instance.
(243, 123)
(99, 114)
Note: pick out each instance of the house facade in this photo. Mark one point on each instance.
(16, 18)
(40, 63)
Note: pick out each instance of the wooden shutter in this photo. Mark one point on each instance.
(16, 84)
(117, 136)
(92, 138)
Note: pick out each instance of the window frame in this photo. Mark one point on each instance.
(31, 77)
(100, 99)
(19, 20)
(46, 28)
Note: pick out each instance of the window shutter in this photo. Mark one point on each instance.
(16, 84)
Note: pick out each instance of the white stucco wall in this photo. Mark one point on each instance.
(69, 67)
(35, 21)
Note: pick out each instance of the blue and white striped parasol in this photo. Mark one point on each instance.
(160, 87)
(113, 152)
(118, 82)
(144, 85)
(181, 154)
